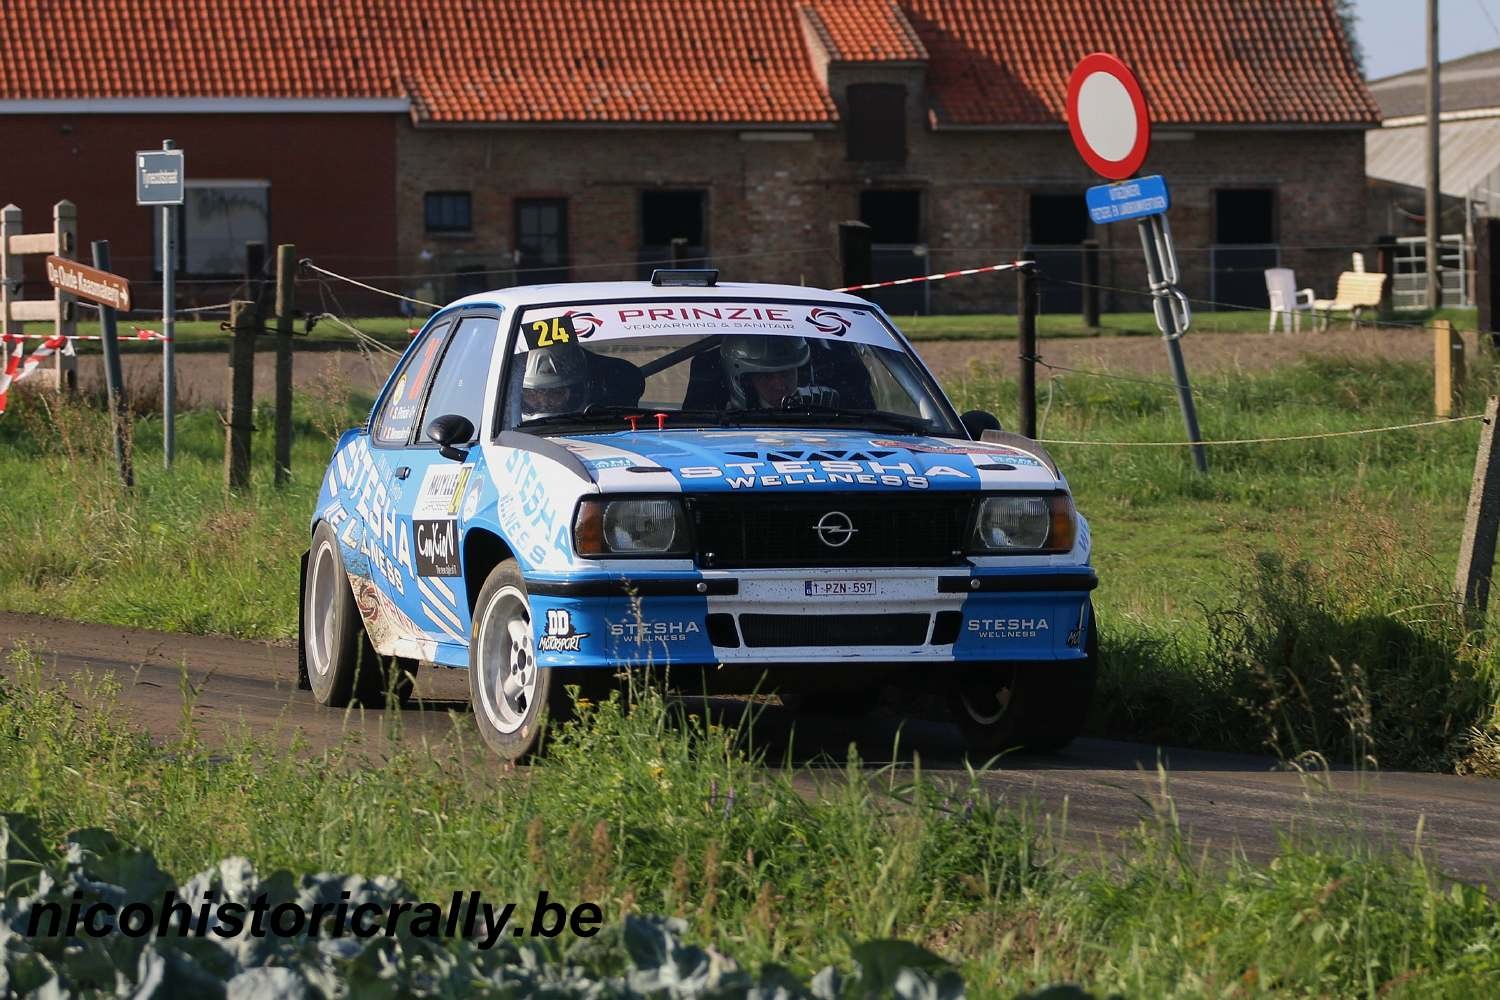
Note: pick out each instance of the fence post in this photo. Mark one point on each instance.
(286, 301)
(1026, 330)
(1487, 278)
(1091, 284)
(241, 402)
(1385, 262)
(114, 380)
(855, 241)
(10, 273)
(1476, 552)
(65, 232)
(1447, 368)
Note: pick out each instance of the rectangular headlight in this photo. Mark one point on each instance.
(635, 527)
(1022, 523)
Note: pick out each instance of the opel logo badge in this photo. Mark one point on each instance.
(835, 529)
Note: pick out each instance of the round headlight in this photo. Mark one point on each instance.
(641, 525)
(1013, 523)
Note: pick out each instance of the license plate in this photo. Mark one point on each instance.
(838, 588)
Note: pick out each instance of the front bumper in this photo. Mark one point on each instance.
(770, 617)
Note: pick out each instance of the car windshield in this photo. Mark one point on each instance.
(716, 363)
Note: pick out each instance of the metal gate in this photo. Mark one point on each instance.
(1409, 286)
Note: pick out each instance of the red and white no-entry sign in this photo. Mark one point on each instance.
(1107, 116)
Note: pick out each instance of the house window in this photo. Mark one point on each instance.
(893, 216)
(1059, 219)
(895, 221)
(876, 127)
(1245, 245)
(449, 212)
(216, 220)
(541, 240)
(672, 230)
(1245, 216)
(1058, 223)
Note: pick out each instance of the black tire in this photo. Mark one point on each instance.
(513, 698)
(342, 666)
(1032, 706)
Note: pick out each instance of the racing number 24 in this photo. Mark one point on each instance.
(549, 332)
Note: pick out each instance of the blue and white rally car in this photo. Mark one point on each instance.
(733, 480)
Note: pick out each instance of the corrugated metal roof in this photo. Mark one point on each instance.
(1469, 151)
(1470, 82)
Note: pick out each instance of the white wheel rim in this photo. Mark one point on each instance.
(507, 660)
(322, 578)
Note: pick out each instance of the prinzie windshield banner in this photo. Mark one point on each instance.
(614, 320)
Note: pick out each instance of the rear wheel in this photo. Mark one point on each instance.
(511, 694)
(1040, 706)
(342, 666)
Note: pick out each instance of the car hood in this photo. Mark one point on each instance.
(718, 460)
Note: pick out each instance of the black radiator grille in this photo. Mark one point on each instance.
(890, 529)
(834, 630)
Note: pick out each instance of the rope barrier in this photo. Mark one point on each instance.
(307, 263)
(364, 339)
(1270, 440)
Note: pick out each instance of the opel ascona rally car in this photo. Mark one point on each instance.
(760, 485)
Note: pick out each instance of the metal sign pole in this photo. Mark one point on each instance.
(168, 308)
(1173, 317)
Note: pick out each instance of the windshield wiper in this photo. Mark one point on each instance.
(900, 421)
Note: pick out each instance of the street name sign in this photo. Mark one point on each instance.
(159, 177)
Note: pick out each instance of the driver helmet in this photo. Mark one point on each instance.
(751, 354)
(555, 381)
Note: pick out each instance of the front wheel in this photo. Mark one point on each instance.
(1031, 706)
(509, 691)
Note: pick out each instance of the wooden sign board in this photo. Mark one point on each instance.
(89, 283)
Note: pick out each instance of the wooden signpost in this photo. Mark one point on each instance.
(89, 283)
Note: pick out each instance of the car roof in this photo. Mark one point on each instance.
(630, 291)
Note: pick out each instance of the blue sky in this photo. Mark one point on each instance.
(1394, 32)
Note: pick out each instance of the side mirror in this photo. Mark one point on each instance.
(449, 431)
(976, 422)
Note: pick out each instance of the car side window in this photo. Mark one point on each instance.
(463, 372)
(393, 425)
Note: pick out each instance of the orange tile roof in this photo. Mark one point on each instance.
(1199, 61)
(865, 31)
(685, 61)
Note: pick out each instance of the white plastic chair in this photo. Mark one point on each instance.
(1287, 300)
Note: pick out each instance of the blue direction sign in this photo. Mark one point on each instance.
(159, 177)
(1132, 199)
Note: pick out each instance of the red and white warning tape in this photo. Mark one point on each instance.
(16, 369)
(140, 334)
(935, 277)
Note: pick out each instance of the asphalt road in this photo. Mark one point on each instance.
(1100, 789)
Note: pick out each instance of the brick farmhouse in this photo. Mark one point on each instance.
(447, 145)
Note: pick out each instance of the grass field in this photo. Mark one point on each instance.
(1293, 600)
(661, 813)
(1195, 569)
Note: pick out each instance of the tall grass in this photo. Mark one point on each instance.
(655, 811)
